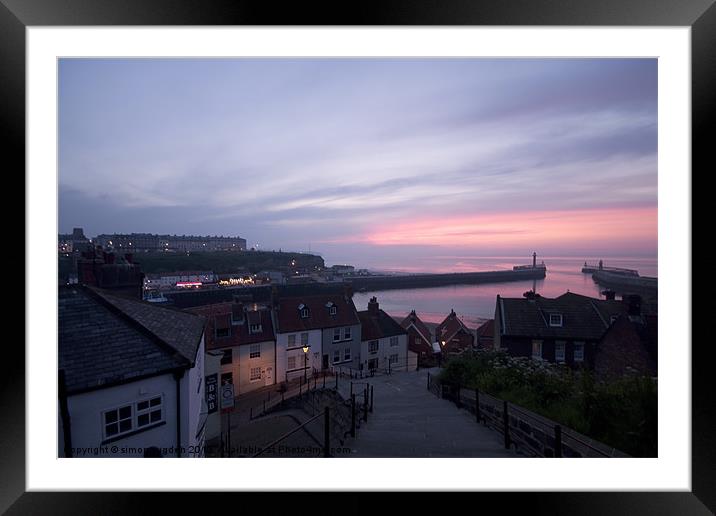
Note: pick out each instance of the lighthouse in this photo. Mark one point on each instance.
(534, 260)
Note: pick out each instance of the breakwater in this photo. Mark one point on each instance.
(626, 284)
(375, 283)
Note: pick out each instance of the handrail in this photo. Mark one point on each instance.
(274, 443)
(543, 422)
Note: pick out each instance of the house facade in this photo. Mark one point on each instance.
(566, 329)
(131, 377)
(384, 342)
(485, 335)
(244, 335)
(420, 340)
(452, 334)
(315, 332)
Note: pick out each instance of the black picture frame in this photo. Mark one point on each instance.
(700, 15)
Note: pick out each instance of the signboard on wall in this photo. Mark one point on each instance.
(227, 397)
(212, 401)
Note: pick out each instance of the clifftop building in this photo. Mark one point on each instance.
(151, 242)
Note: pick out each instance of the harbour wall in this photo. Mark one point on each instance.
(376, 283)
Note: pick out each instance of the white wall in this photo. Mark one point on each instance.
(282, 354)
(192, 396)
(384, 352)
(87, 425)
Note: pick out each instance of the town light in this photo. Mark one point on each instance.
(305, 362)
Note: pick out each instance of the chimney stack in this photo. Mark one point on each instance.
(609, 295)
(634, 304)
(373, 306)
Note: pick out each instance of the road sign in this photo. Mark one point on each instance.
(227, 396)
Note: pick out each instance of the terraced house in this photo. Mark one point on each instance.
(131, 377)
(568, 329)
(244, 334)
(384, 343)
(315, 332)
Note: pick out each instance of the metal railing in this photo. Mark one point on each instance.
(326, 415)
(530, 432)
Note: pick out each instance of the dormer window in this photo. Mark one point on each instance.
(332, 309)
(303, 310)
(254, 328)
(555, 319)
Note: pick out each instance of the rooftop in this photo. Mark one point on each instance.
(106, 339)
(581, 316)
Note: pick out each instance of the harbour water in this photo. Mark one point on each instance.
(475, 303)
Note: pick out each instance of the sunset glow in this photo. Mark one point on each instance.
(498, 231)
(372, 162)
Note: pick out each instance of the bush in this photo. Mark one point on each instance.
(621, 413)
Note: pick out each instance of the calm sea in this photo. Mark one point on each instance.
(475, 303)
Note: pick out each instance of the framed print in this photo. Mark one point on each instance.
(205, 119)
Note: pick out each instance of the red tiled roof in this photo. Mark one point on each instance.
(219, 316)
(450, 326)
(487, 329)
(289, 318)
(414, 320)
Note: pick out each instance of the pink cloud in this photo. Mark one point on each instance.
(495, 231)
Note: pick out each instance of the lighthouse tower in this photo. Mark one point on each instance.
(534, 260)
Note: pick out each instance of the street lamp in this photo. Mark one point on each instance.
(305, 361)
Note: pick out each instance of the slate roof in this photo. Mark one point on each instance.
(219, 315)
(289, 318)
(180, 329)
(582, 317)
(101, 344)
(378, 325)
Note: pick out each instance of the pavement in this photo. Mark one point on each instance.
(410, 421)
(407, 421)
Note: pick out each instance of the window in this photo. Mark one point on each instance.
(579, 351)
(347, 333)
(336, 355)
(291, 362)
(393, 359)
(555, 319)
(559, 351)
(255, 328)
(149, 411)
(347, 354)
(332, 310)
(228, 355)
(255, 351)
(291, 341)
(303, 309)
(124, 419)
(393, 342)
(304, 339)
(336, 335)
(222, 332)
(536, 349)
(118, 421)
(373, 346)
(227, 378)
(255, 374)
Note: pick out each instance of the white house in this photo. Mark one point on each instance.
(245, 337)
(131, 377)
(315, 332)
(384, 342)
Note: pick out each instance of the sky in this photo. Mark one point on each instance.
(372, 162)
